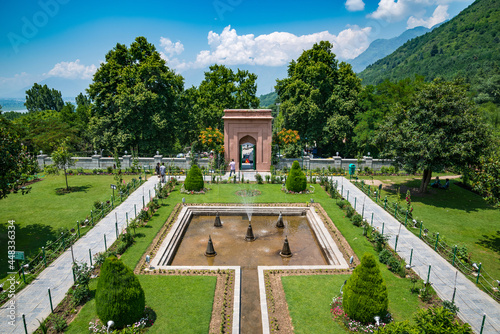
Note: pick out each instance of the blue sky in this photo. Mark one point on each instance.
(62, 42)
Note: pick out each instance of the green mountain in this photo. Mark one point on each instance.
(467, 46)
(380, 48)
(268, 99)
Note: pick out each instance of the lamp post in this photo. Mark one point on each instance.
(110, 324)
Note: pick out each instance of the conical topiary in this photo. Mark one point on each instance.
(194, 179)
(296, 180)
(365, 293)
(119, 296)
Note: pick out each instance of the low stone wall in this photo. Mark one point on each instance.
(100, 162)
(336, 162)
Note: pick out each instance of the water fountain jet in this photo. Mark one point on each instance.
(285, 251)
(249, 236)
(280, 223)
(217, 222)
(210, 248)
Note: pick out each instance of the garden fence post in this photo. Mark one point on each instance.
(149, 192)
(453, 297)
(411, 256)
(116, 229)
(420, 233)
(406, 217)
(26, 329)
(478, 273)
(126, 218)
(44, 258)
(481, 332)
(92, 216)
(50, 300)
(396, 244)
(342, 191)
(348, 195)
(90, 256)
(355, 203)
(363, 211)
(22, 270)
(383, 225)
(396, 211)
(385, 203)
(437, 240)
(429, 274)
(105, 245)
(143, 203)
(74, 275)
(78, 226)
(63, 242)
(135, 210)
(454, 255)
(371, 224)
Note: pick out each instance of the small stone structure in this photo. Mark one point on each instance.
(252, 126)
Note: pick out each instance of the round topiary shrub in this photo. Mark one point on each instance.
(119, 296)
(296, 180)
(194, 179)
(365, 293)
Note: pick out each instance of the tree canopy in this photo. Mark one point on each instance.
(134, 97)
(439, 128)
(39, 98)
(319, 99)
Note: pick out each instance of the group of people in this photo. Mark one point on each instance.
(161, 171)
(437, 184)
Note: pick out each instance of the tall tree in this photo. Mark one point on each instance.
(16, 164)
(134, 98)
(440, 128)
(319, 98)
(222, 89)
(39, 98)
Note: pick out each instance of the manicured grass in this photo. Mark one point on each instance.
(39, 214)
(309, 299)
(461, 217)
(183, 304)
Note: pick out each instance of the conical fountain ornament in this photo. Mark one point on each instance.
(210, 248)
(279, 223)
(285, 251)
(217, 222)
(249, 236)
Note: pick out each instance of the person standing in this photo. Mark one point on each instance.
(232, 166)
(157, 170)
(162, 172)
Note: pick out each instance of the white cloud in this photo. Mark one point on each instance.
(171, 48)
(73, 70)
(391, 10)
(440, 14)
(275, 49)
(354, 5)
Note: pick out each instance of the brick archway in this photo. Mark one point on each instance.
(252, 126)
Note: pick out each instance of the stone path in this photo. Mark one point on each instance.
(473, 302)
(33, 301)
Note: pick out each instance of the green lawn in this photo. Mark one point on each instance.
(183, 304)
(460, 217)
(42, 212)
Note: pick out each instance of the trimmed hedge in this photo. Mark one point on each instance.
(194, 179)
(365, 293)
(296, 180)
(119, 296)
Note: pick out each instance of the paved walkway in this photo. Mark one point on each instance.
(33, 301)
(473, 302)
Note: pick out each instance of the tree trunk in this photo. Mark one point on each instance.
(66, 176)
(426, 178)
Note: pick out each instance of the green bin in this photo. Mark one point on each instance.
(352, 169)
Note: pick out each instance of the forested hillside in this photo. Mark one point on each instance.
(467, 46)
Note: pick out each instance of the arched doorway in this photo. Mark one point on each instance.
(247, 132)
(248, 154)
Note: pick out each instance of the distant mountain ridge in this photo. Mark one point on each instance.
(467, 46)
(380, 48)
